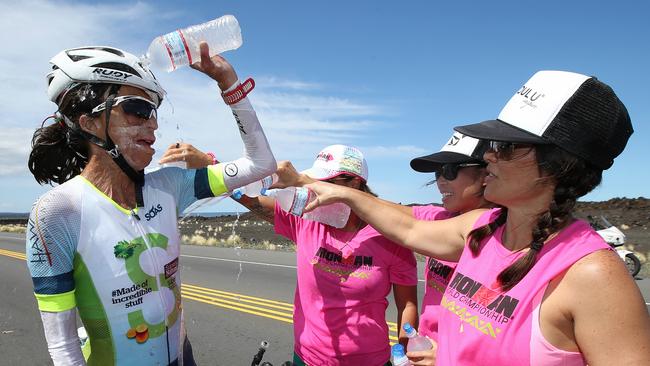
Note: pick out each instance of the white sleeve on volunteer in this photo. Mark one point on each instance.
(62, 339)
(258, 161)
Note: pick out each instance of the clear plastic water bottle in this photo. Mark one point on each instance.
(398, 356)
(416, 341)
(294, 200)
(256, 188)
(181, 47)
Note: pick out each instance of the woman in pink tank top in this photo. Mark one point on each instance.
(533, 285)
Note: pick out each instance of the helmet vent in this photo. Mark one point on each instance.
(76, 58)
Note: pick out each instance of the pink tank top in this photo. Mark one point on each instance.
(481, 325)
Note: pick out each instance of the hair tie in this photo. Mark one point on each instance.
(536, 246)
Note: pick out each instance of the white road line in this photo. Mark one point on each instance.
(238, 261)
(245, 262)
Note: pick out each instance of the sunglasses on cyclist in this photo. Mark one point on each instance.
(132, 105)
(506, 150)
(450, 171)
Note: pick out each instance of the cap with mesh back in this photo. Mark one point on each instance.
(577, 113)
(459, 149)
(335, 160)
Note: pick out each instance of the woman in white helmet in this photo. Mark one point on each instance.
(105, 241)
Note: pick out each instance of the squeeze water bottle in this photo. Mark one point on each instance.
(294, 200)
(181, 47)
(416, 342)
(256, 188)
(398, 356)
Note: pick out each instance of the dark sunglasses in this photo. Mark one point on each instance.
(506, 150)
(133, 105)
(450, 171)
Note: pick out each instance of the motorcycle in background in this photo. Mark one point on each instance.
(615, 238)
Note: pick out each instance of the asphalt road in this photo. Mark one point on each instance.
(233, 300)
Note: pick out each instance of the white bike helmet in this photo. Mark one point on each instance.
(99, 64)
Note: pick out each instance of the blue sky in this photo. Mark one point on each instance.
(390, 78)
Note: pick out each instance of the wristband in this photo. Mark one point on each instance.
(239, 93)
(214, 158)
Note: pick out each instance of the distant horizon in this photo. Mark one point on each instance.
(245, 210)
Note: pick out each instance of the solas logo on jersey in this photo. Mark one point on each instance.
(153, 212)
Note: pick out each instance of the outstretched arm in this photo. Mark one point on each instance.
(442, 239)
(258, 161)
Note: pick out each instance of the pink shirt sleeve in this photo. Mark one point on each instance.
(403, 270)
(284, 223)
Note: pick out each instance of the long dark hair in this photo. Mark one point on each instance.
(574, 177)
(59, 152)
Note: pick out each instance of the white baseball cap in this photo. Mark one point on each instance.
(335, 160)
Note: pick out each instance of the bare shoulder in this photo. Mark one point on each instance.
(602, 277)
(599, 265)
(608, 314)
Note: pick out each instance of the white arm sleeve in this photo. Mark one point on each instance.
(61, 336)
(258, 161)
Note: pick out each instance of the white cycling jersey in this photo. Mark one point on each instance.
(119, 267)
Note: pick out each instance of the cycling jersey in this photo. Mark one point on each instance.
(119, 267)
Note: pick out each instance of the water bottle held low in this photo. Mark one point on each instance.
(416, 342)
(181, 47)
(398, 356)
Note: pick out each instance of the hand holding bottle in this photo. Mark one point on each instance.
(288, 176)
(424, 358)
(421, 350)
(216, 67)
(326, 194)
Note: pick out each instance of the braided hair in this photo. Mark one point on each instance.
(574, 177)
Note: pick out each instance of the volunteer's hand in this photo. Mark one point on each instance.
(193, 157)
(288, 176)
(424, 358)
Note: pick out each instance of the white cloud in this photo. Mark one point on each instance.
(14, 150)
(275, 83)
(299, 117)
(399, 151)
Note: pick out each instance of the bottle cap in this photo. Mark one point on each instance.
(408, 327)
(397, 350)
(237, 193)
